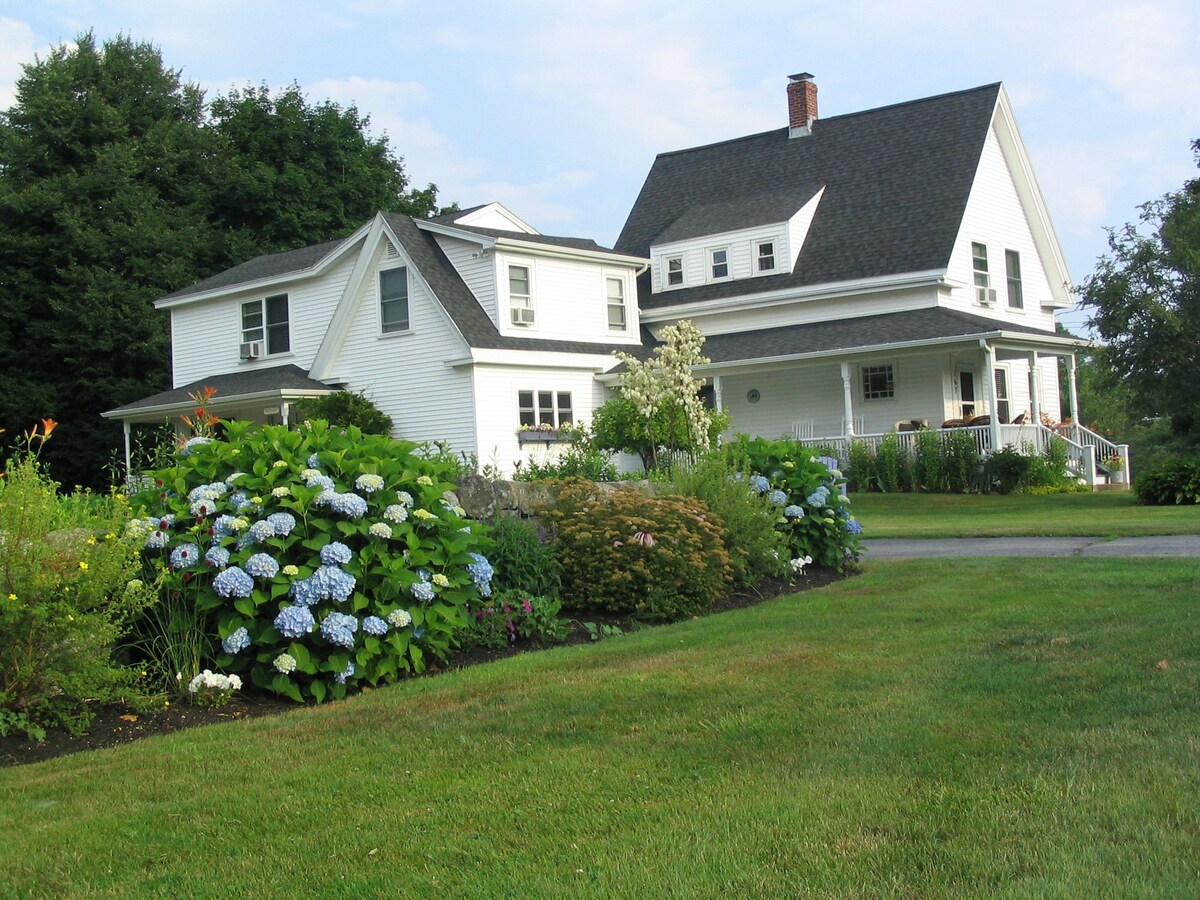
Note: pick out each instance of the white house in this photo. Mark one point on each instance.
(865, 273)
(467, 328)
(853, 276)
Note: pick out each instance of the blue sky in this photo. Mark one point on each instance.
(557, 109)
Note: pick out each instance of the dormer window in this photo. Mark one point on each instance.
(718, 263)
(764, 257)
(674, 271)
(520, 297)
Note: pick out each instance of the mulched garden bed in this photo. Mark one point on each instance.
(115, 724)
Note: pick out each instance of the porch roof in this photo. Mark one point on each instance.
(909, 329)
(272, 385)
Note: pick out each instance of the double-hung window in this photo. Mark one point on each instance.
(1012, 264)
(545, 408)
(764, 256)
(520, 296)
(393, 300)
(674, 271)
(979, 263)
(618, 313)
(718, 263)
(265, 322)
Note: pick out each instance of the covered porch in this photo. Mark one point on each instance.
(259, 395)
(826, 384)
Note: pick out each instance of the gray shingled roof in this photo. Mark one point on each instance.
(551, 240)
(916, 325)
(897, 181)
(229, 387)
(468, 316)
(269, 266)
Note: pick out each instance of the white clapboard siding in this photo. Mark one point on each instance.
(476, 268)
(798, 229)
(206, 336)
(405, 374)
(742, 259)
(994, 217)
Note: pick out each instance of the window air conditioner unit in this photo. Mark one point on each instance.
(251, 350)
(985, 296)
(522, 316)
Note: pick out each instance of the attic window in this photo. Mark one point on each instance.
(765, 256)
(674, 271)
(718, 263)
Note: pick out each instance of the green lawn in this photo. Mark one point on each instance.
(1105, 514)
(1001, 729)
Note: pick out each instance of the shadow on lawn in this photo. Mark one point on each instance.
(115, 724)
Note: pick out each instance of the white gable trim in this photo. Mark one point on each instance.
(540, 359)
(480, 217)
(319, 268)
(322, 368)
(799, 224)
(534, 248)
(1032, 203)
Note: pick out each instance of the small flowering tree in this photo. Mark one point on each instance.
(660, 406)
(320, 558)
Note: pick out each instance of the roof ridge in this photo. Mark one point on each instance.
(847, 115)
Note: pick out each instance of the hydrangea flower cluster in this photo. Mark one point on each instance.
(210, 688)
(759, 484)
(285, 538)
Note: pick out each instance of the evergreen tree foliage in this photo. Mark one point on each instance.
(118, 185)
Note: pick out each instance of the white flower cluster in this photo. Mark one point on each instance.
(800, 562)
(208, 681)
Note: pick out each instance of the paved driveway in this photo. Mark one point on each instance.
(905, 548)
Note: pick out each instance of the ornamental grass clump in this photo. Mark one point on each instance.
(317, 559)
(626, 553)
(807, 493)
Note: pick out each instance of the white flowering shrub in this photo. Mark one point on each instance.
(320, 558)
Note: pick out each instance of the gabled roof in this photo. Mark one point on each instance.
(476, 327)
(897, 181)
(549, 240)
(930, 325)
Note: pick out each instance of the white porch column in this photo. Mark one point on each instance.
(128, 455)
(847, 400)
(284, 409)
(1075, 417)
(1035, 386)
(989, 394)
(718, 396)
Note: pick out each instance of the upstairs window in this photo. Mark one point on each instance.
(618, 314)
(393, 300)
(548, 408)
(1012, 263)
(265, 322)
(980, 264)
(718, 263)
(520, 298)
(674, 271)
(765, 256)
(878, 382)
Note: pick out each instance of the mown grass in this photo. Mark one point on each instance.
(1103, 514)
(999, 729)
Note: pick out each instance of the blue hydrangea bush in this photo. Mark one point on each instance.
(808, 493)
(322, 558)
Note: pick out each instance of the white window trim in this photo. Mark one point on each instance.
(528, 266)
(264, 340)
(709, 252)
(379, 301)
(754, 256)
(1020, 279)
(862, 386)
(625, 295)
(542, 389)
(664, 269)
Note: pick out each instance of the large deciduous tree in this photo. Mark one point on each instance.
(118, 186)
(1145, 303)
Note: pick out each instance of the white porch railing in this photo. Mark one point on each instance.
(1084, 446)
(1112, 458)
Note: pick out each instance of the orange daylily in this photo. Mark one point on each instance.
(48, 425)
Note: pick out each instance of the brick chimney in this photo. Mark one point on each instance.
(802, 104)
